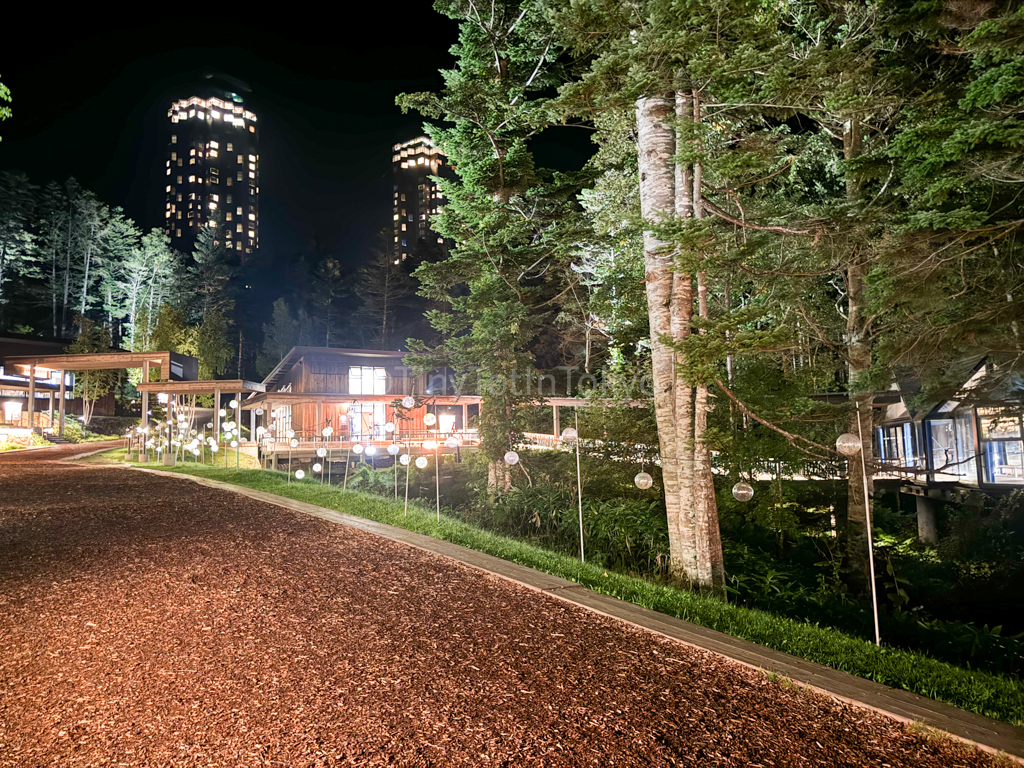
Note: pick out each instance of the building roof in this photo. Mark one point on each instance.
(295, 354)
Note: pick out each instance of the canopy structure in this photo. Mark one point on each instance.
(210, 387)
(171, 364)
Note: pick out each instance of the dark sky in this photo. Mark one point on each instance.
(91, 101)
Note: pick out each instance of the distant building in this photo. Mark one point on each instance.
(213, 171)
(416, 196)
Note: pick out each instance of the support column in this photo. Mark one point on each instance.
(143, 456)
(31, 397)
(465, 417)
(252, 424)
(216, 414)
(60, 405)
(554, 420)
(927, 531)
(51, 411)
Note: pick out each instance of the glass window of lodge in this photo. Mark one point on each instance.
(366, 380)
(1000, 435)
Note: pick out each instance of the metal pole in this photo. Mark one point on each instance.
(238, 428)
(348, 460)
(396, 477)
(437, 481)
(867, 522)
(289, 461)
(579, 483)
(408, 467)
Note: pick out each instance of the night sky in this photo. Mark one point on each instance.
(92, 102)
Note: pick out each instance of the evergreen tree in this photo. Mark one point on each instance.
(383, 287)
(90, 386)
(17, 253)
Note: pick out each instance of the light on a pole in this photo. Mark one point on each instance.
(393, 449)
(408, 401)
(290, 433)
(511, 458)
(452, 442)
(429, 419)
(259, 411)
(357, 449)
(317, 467)
(234, 443)
(233, 404)
(389, 427)
(299, 474)
(371, 450)
(222, 413)
(327, 431)
(743, 491)
(321, 452)
(293, 443)
(404, 459)
(429, 445)
(569, 434)
(643, 481)
(209, 425)
(421, 462)
(848, 444)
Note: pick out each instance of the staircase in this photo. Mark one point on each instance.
(51, 438)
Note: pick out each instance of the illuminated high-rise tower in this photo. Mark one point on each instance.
(416, 195)
(213, 172)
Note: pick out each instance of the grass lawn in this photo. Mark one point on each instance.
(996, 696)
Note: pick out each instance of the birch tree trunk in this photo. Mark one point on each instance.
(858, 351)
(669, 298)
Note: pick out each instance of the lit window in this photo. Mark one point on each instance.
(191, 179)
(178, 230)
(228, 235)
(213, 153)
(252, 166)
(252, 129)
(215, 114)
(168, 171)
(238, 245)
(227, 216)
(217, 198)
(179, 179)
(168, 188)
(228, 201)
(240, 177)
(403, 227)
(179, 197)
(252, 158)
(174, 139)
(396, 217)
(252, 217)
(240, 159)
(251, 233)
(252, 175)
(230, 181)
(213, 207)
(239, 227)
(214, 145)
(179, 219)
(202, 115)
(174, 155)
(366, 380)
(230, 148)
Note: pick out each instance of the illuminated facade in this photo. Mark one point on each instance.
(213, 173)
(416, 196)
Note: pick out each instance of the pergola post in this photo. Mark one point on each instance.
(31, 397)
(143, 456)
(51, 410)
(216, 413)
(60, 405)
(465, 417)
(252, 424)
(557, 427)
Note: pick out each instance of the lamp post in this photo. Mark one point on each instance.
(393, 450)
(849, 445)
(431, 445)
(406, 460)
(571, 435)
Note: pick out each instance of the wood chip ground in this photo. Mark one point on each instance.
(146, 621)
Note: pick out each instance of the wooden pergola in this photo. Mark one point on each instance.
(94, 361)
(211, 387)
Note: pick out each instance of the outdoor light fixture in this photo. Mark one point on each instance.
(233, 404)
(429, 445)
(321, 452)
(290, 434)
(222, 413)
(404, 459)
(209, 425)
(234, 443)
(393, 449)
(389, 427)
(299, 474)
(259, 411)
(569, 434)
(371, 450)
(429, 419)
(317, 467)
(848, 444)
(452, 442)
(357, 449)
(643, 481)
(421, 462)
(327, 431)
(408, 401)
(511, 458)
(742, 491)
(293, 443)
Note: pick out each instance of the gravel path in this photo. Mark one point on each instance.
(147, 621)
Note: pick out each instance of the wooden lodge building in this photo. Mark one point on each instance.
(357, 393)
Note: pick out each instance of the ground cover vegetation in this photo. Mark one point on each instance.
(996, 695)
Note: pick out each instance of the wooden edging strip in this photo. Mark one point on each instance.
(986, 733)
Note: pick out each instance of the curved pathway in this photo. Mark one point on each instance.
(149, 621)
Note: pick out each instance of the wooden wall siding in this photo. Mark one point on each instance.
(330, 375)
(304, 418)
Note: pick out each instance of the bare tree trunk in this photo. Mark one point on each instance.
(858, 351)
(667, 305)
(710, 561)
